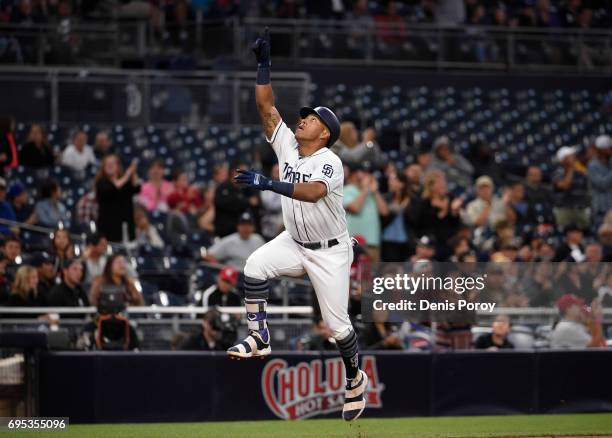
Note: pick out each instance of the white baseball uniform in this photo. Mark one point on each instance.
(328, 268)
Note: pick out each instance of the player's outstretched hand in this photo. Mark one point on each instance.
(261, 48)
(252, 179)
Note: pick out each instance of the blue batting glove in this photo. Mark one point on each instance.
(261, 48)
(252, 179)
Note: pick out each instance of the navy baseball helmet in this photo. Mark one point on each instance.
(328, 118)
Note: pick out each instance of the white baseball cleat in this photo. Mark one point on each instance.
(354, 397)
(252, 346)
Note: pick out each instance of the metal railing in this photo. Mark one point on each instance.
(319, 42)
(68, 96)
(404, 44)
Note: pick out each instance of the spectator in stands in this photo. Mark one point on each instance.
(62, 248)
(11, 248)
(146, 234)
(450, 12)
(49, 210)
(231, 201)
(103, 145)
(114, 193)
(18, 197)
(5, 284)
(505, 234)
(604, 234)
(6, 211)
(320, 338)
(179, 24)
(8, 146)
(353, 150)
(223, 292)
(70, 292)
(424, 156)
(425, 249)
(116, 274)
(483, 160)
(87, 209)
(220, 176)
(538, 284)
(498, 338)
(537, 196)
(36, 152)
(571, 185)
(381, 335)
(191, 194)
(364, 204)
(178, 226)
(215, 334)
(514, 202)
(437, 213)
(155, 191)
(78, 155)
(25, 15)
(570, 13)
(600, 176)
(460, 245)
(233, 250)
(94, 256)
(25, 289)
(577, 328)
(359, 22)
(546, 15)
(395, 239)
(272, 214)
(487, 209)
(414, 173)
(457, 169)
(391, 31)
(45, 267)
(572, 246)
(205, 219)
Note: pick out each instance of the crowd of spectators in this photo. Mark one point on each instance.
(172, 22)
(541, 13)
(443, 206)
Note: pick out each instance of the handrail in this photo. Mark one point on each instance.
(84, 72)
(273, 310)
(154, 309)
(317, 22)
(111, 26)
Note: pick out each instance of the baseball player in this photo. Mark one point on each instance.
(315, 240)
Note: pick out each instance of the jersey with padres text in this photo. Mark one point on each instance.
(307, 221)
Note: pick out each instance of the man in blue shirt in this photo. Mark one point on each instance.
(6, 211)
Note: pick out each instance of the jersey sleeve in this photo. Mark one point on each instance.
(282, 139)
(331, 173)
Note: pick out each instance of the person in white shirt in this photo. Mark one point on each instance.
(79, 154)
(235, 249)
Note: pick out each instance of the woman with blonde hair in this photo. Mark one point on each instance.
(438, 212)
(25, 289)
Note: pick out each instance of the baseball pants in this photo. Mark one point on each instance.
(328, 269)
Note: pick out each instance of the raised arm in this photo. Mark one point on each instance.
(264, 96)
